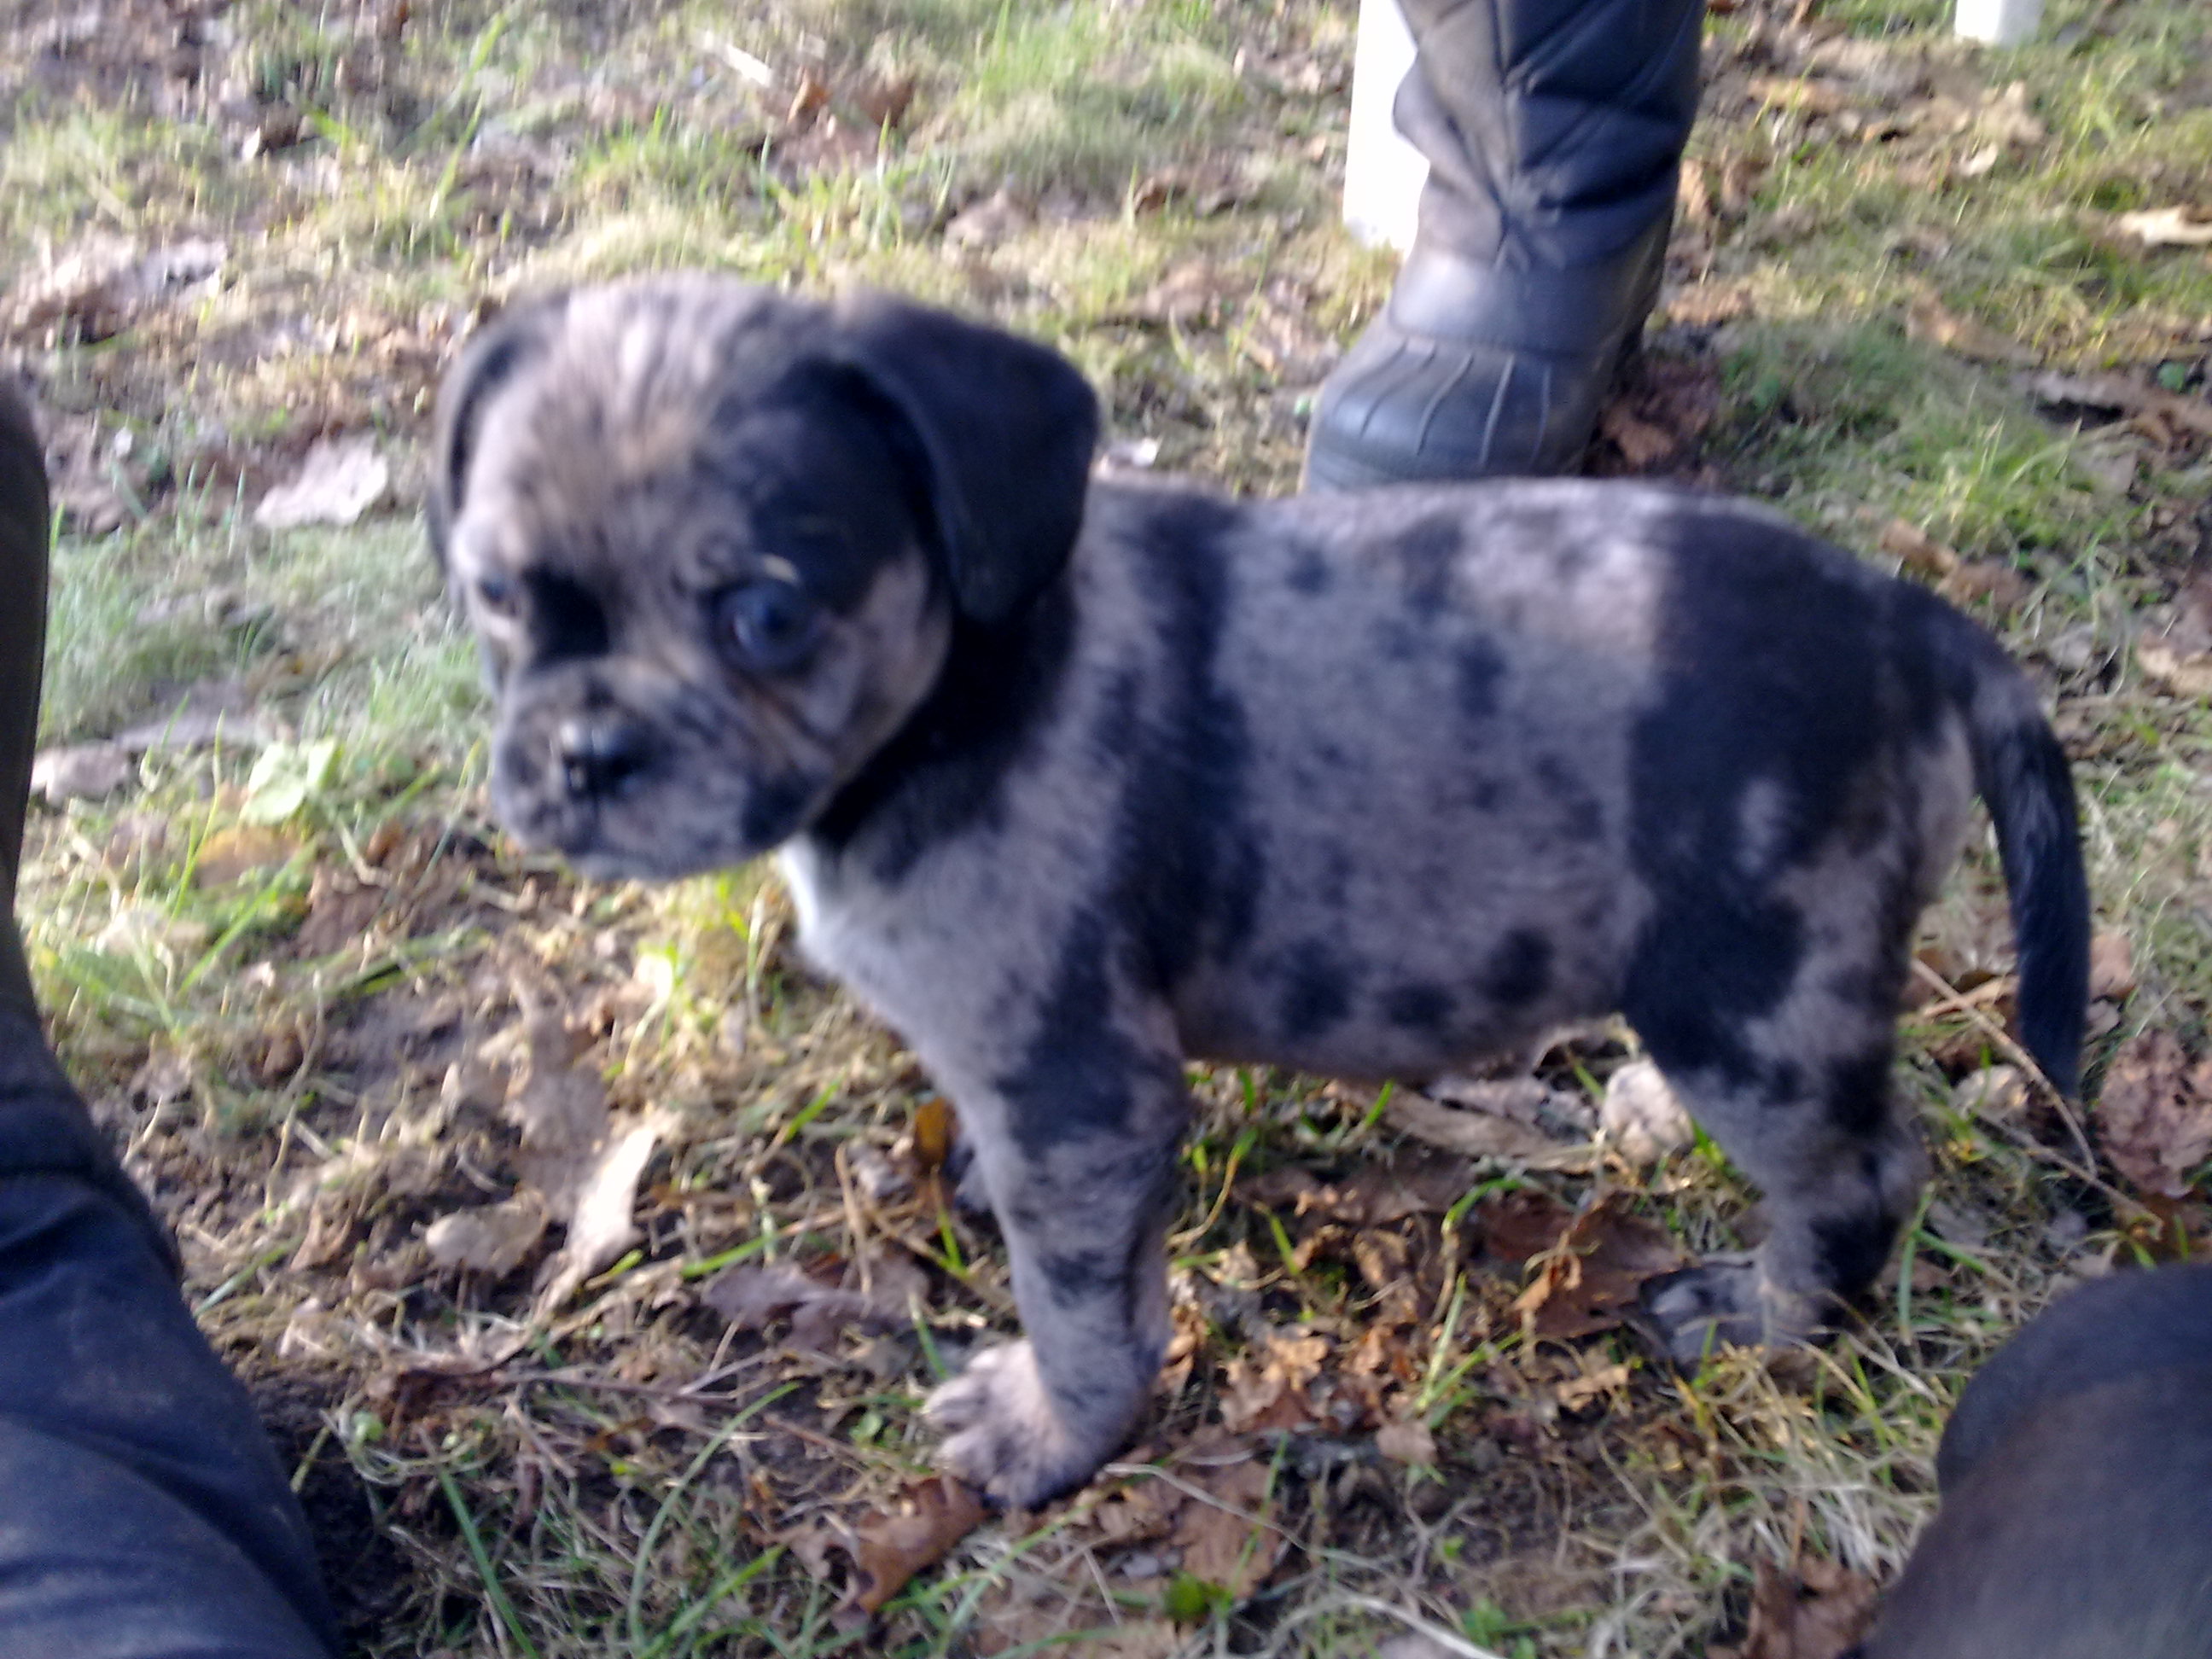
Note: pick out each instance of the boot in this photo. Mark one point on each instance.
(1553, 130)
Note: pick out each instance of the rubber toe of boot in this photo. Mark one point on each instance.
(1477, 372)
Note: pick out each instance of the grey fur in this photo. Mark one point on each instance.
(1372, 785)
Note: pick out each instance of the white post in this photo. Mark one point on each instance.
(1382, 173)
(1997, 22)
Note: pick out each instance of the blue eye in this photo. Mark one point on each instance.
(497, 594)
(768, 625)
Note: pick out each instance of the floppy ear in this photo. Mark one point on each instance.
(1005, 429)
(487, 362)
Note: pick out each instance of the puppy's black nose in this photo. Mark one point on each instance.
(599, 753)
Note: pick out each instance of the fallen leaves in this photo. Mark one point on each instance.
(2168, 226)
(337, 481)
(2116, 393)
(889, 1548)
(2154, 1117)
(1961, 579)
(490, 1238)
(1585, 1269)
(95, 291)
(1641, 1116)
(1816, 1612)
(1929, 319)
(1265, 1388)
(1481, 1134)
(879, 1294)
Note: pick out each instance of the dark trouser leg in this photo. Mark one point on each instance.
(141, 1512)
(1553, 130)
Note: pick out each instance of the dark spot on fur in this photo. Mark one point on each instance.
(1397, 640)
(1419, 1005)
(1850, 1250)
(942, 773)
(1476, 670)
(1078, 1275)
(1079, 1072)
(1317, 990)
(1188, 862)
(1424, 553)
(1519, 970)
(1489, 794)
(1309, 572)
(565, 619)
(1115, 731)
(1769, 649)
(1582, 818)
(1857, 1095)
(774, 810)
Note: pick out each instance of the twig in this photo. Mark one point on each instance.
(1948, 998)
(1437, 1633)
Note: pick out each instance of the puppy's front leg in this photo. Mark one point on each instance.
(1084, 1198)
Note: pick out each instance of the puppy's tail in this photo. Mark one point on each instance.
(2023, 777)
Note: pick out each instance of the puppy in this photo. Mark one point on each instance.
(2077, 1476)
(1076, 781)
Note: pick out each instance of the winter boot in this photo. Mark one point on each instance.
(1553, 130)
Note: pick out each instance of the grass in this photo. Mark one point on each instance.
(304, 1033)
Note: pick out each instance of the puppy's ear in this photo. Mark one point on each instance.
(1005, 429)
(488, 362)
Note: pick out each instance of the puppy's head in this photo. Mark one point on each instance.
(715, 543)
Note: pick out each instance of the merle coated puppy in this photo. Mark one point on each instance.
(2077, 1476)
(1075, 782)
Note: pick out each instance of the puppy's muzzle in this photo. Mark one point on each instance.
(599, 755)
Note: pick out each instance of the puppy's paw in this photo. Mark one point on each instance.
(1723, 1301)
(1006, 1435)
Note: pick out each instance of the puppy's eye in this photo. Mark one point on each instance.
(498, 594)
(768, 624)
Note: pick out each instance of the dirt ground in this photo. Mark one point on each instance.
(589, 1257)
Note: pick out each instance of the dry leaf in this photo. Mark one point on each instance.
(2187, 674)
(888, 1550)
(1927, 319)
(2006, 119)
(2112, 966)
(1589, 1268)
(1641, 443)
(209, 712)
(95, 291)
(1478, 1134)
(1577, 1392)
(2169, 227)
(585, 1168)
(601, 1228)
(2121, 394)
(229, 854)
(1191, 293)
(1267, 1387)
(750, 1295)
(491, 1238)
(1806, 97)
(1378, 1193)
(2155, 1117)
(1641, 1116)
(2004, 588)
(339, 479)
(935, 1129)
(986, 223)
(1917, 551)
(1228, 1542)
(83, 771)
(1407, 1440)
(1816, 1612)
